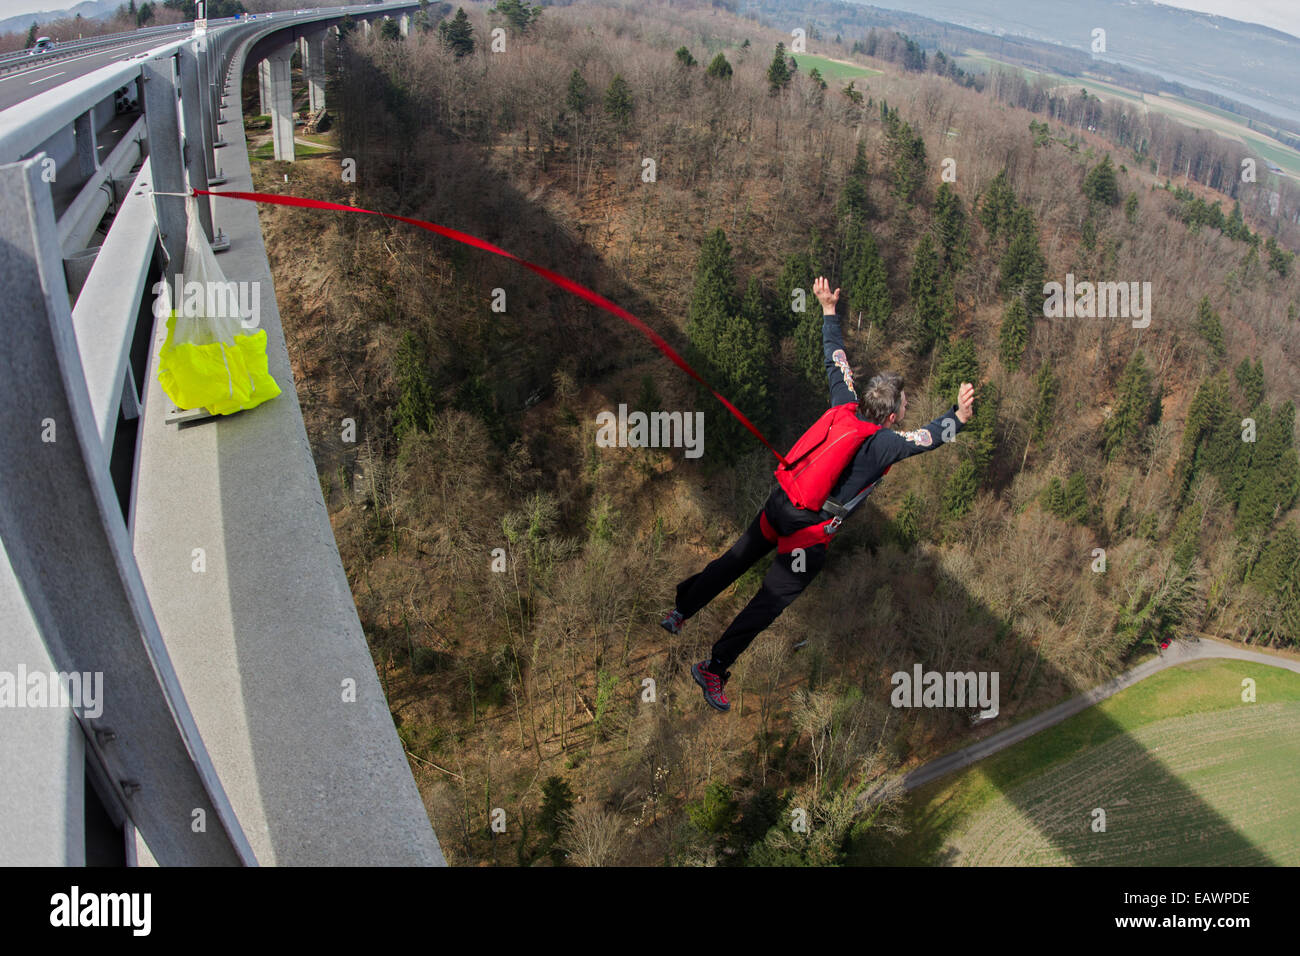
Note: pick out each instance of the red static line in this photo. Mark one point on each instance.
(564, 283)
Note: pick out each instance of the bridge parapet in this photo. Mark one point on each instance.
(193, 567)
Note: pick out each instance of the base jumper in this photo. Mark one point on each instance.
(827, 475)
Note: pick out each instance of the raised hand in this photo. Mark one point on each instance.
(822, 289)
(965, 401)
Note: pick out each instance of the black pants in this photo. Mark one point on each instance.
(784, 581)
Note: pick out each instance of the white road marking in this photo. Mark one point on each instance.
(44, 78)
(73, 59)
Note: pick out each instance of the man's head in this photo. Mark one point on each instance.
(884, 401)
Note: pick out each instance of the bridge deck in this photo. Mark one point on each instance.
(264, 639)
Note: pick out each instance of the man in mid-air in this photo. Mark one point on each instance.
(827, 475)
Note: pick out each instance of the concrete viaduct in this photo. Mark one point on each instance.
(226, 709)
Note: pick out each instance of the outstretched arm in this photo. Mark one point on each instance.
(899, 445)
(838, 373)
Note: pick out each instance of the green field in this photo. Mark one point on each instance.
(830, 70)
(1181, 108)
(1186, 773)
(267, 150)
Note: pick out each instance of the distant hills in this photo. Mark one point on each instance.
(89, 10)
(1247, 62)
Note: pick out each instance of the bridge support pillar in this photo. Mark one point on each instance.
(313, 69)
(404, 21)
(366, 28)
(281, 96)
(264, 87)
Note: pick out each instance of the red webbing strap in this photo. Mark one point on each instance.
(567, 284)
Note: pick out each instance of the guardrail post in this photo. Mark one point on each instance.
(197, 152)
(70, 553)
(83, 130)
(165, 163)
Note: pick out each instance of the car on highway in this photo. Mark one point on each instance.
(42, 45)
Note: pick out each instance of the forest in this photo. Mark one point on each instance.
(1116, 486)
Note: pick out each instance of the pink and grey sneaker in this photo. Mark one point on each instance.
(673, 622)
(712, 684)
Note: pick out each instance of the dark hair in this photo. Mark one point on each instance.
(883, 397)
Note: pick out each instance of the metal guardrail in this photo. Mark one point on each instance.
(75, 313)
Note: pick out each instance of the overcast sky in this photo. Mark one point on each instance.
(1279, 14)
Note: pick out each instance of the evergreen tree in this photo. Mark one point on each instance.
(1278, 563)
(1210, 408)
(1132, 408)
(719, 68)
(1054, 497)
(865, 280)
(684, 57)
(796, 273)
(907, 526)
(1209, 327)
(519, 15)
(1187, 538)
(754, 306)
(978, 443)
(959, 493)
(954, 232)
(1023, 266)
(733, 341)
(390, 31)
(578, 97)
(1235, 227)
(931, 295)
(1250, 379)
(1045, 388)
(1279, 259)
(778, 73)
(415, 403)
(1272, 477)
(997, 206)
(557, 801)
(618, 103)
(957, 364)
(906, 152)
(854, 206)
(1100, 185)
(31, 37)
(1015, 333)
(714, 295)
(1078, 507)
(1131, 208)
(808, 325)
(458, 33)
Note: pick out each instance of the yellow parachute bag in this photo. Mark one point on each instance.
(209, 360)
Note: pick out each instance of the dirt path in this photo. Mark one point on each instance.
(1178, 653)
